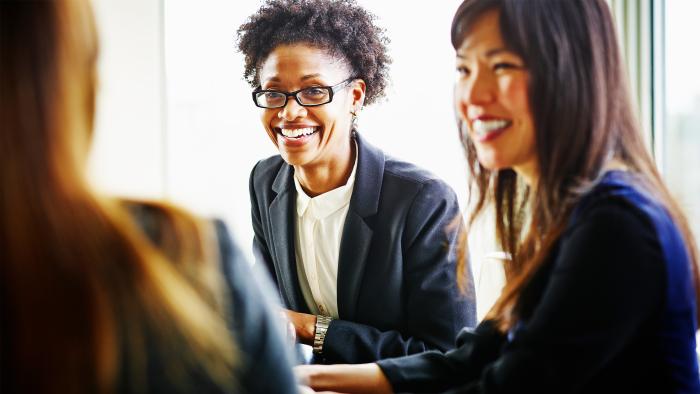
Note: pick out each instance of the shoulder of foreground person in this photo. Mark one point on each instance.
(264, 358)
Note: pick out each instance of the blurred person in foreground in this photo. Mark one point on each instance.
(96, 294)
(601, 293)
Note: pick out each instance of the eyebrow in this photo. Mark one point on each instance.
(304, 78)
(310, 76)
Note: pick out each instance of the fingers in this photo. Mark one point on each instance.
(303, 374)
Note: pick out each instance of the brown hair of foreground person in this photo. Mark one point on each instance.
(80, 284)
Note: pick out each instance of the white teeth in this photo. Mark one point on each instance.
(483, 127)
(295, 133)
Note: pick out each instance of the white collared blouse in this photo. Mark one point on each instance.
(319, 229)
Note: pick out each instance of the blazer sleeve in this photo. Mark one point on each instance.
(434, 371)
(434, 310)
(265, 358)
(607, 279)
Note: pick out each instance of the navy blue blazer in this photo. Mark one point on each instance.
(397, 291)
(612, 310)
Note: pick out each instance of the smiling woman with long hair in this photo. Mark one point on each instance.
(601, 292)
(96, 294)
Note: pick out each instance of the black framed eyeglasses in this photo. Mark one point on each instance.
(308, 97)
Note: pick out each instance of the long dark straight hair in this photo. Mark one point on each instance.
(583, 118)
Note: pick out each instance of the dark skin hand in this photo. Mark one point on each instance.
(304, 326)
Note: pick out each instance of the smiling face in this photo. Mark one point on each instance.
(310, 136)
(492, 98)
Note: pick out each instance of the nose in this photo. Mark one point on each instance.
(292, 110)
(475, 90)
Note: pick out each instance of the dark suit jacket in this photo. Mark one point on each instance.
(397, 290)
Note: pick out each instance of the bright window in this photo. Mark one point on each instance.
(680, 133)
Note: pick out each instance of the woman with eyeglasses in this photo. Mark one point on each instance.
(601, 293)
(362, 246)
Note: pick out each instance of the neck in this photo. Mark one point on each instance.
(319, 178)
(528, 172)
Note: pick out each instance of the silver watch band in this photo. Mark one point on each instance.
(322, 323)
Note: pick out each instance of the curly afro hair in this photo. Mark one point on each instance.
(339, 26)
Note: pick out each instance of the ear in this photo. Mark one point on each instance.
(358, 94)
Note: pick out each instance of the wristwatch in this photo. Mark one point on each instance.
(322, 323)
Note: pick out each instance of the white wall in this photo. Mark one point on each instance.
(128, 151)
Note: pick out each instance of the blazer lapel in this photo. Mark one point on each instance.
(357, 234)
(282, 228)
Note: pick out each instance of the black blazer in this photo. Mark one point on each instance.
(397, 292)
